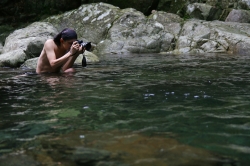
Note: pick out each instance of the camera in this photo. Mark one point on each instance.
(87, 47)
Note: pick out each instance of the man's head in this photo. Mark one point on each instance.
(66, 36)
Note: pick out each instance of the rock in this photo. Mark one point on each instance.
(232, 35)
(224, 4)
(13, 58)
(213, 37)
(82, 155)
(90, 57)
(26, 43)
(194, 33)
(143, 5)
(30, 39)
(241, 16)
(118, 31)
(91, 22)
(110, 163)
(203, 11)
(132, 32)
(30, 63)
(172, 6)
(171, 22)
(244, 4)
(17, 160)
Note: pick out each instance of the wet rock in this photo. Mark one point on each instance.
(213, 37)
(203, 11)
(30, 39)
(172, 23)
(83, 155)
(232, 37)
(30, 63)
(110, 163)
(244, 4)
(143, 5)
(132, 32)
(91, 22)
(241, 16)
(90, 57)
(17, 160)
(13, 58)
(25, 43)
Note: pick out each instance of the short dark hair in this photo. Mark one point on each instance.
(65, 34)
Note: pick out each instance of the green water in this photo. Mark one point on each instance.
(142, 109)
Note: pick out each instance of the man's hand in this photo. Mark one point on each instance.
(82, 49)
(74, 48)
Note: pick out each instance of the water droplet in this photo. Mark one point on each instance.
(82, 136)
(186, 94)
(85, 107)
(206, 96)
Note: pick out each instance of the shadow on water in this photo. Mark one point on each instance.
(129, 110)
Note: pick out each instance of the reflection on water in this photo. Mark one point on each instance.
(130, 110)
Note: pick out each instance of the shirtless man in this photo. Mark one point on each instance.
(59, 53)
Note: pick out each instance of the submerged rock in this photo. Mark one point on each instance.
(82, 155)
(17, 160)
(30, 63)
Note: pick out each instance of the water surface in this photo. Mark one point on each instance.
(129, 110)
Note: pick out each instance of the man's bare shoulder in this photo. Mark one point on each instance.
(49, 42)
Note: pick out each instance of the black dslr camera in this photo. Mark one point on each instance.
(87, 47)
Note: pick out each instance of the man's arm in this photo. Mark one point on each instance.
(55, 63)
(72, 59)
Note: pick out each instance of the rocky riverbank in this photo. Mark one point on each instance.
(122, 31)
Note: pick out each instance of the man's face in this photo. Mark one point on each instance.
(68, 43)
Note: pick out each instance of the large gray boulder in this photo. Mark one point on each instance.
(30, 39)
(13, 58)
(241, 16)
(132, 32)
(117, 30)
(213, 37)
(92, 22)
(25, 43)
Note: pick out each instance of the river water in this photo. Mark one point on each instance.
(129, 110)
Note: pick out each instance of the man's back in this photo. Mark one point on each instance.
(43, 64)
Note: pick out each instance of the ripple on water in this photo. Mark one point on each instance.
(202, 100)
